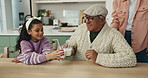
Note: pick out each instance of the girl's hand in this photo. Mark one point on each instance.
(15, 60)
(55, 55)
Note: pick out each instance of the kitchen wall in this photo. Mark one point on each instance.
(57, 8)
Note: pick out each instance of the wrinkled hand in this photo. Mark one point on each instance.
(91, 54)
(65, 46)
(70, 49)
(55, 55)
(15, 60)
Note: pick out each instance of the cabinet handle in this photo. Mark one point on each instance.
(11, 51)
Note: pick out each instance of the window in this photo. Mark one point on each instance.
(0, 16)
(3, 22)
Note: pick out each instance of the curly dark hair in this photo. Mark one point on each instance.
(24, 35)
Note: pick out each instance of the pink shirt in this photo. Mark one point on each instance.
(139, 32)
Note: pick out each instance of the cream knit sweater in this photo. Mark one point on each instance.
(112, 48)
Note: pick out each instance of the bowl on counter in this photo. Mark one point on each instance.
(64, 24)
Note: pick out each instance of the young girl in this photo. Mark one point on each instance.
(34, 48)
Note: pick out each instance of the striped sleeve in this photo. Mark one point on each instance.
(28, 56)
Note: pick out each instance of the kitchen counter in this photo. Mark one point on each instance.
(48, 30)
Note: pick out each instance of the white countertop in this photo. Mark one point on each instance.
(48, 30)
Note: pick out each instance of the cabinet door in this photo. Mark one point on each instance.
(12, 41)
(4, 42)
(61, 39)
(13, 53)
(68, 37)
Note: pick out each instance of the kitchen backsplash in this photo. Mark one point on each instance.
(67, 12)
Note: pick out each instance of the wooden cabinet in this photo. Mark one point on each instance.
(12, 41)
(8, 41)
(4, 42)
(61, 39)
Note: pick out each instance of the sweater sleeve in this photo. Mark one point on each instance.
(28, 56)
(123, 55)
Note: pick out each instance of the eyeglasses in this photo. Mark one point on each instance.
(87, 18)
